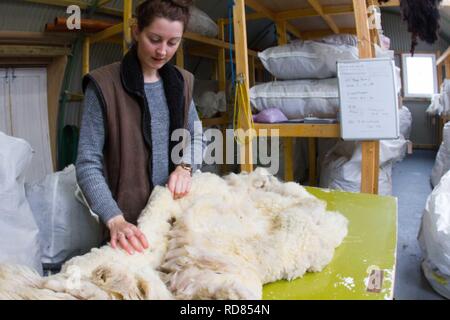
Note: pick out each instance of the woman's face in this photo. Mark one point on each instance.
(158, 42)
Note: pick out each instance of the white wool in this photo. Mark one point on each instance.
(224, 240)
(252, 227)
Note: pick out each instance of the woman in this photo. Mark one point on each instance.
(131, 108)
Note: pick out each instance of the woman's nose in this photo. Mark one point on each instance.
(161, 50)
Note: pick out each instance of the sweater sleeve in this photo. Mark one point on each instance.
(194, 150)
(89, 163)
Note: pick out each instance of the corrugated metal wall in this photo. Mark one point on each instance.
(424, 130)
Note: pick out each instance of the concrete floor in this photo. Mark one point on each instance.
(411, 185)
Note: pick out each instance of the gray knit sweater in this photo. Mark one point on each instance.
(89, 164)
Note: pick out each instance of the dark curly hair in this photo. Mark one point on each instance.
(174, 10)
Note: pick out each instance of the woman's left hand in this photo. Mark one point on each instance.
(179, 182)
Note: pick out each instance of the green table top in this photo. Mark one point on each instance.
(370, 245)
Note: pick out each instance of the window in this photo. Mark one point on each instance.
(419, 75)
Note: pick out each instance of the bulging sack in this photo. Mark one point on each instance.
(434, 237)
(19, 241)
(298, 99)
(442, 163)
(67, 227)
(202, 24)
(306, 59)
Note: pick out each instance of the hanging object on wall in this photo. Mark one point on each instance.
(422, 18)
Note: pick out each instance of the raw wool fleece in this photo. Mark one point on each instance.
(224, 240)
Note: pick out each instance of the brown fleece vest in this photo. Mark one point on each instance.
(127, 149)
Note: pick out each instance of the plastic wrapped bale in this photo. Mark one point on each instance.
(434, 237)
(19, 243)
(405, 122)
(442, 163)
(298, 99)
(202, 24)
(67, 228)
(341, 167)
(440, 103)
(306, 59)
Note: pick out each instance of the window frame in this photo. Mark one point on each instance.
(406, 93)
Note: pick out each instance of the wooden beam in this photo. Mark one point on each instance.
(318, 7)
(281, 32)
(107, 33)
(86, 56)
(180, 56)
(443, 57)
(447, 68)
(325, 32)
(370, 149)
(213, 42)
(45, 38)
(440, 74)
(311, 12)
(240, 36)
(126, 25)
(32, 51)
(300, 13)
(255, 5)
(248, 17)
(312, 155)
(298, 130)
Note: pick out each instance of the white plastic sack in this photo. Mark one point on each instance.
(202, 24)
(341, 166)
(19, 241)
(434, 237)
(306, 59)
(298, 98)
(440, 103)
(209, 103)
(442, 163)
(405, 122)
(67, 227)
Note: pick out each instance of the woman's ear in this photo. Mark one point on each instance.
(135, 31)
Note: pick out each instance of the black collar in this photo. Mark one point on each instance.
(133, 78)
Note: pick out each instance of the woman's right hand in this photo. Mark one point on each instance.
(126, 235)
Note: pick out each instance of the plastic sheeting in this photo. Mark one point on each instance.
(19, 242)
(442, 163)
(66, 226)
(434, 237)
(298, 99)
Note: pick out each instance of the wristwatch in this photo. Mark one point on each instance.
(186, 166)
